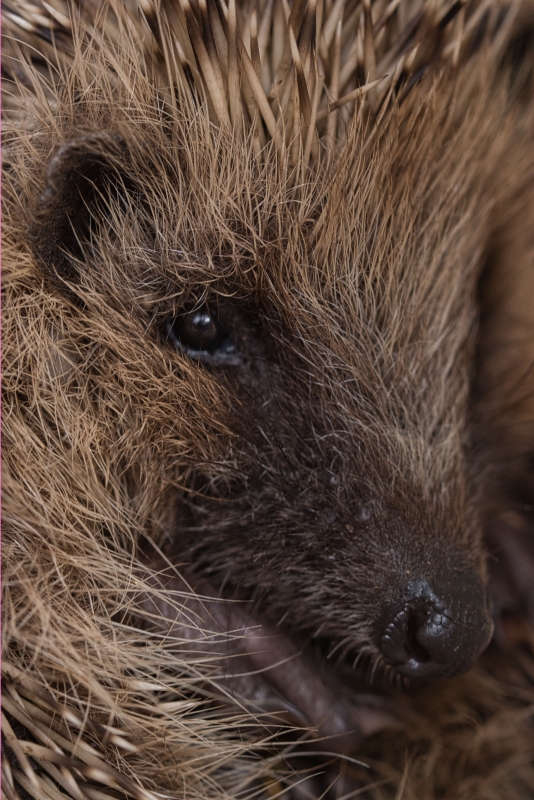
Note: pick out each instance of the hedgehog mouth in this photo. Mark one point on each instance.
(253, 665)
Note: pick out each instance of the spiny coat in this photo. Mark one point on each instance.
(331, 182)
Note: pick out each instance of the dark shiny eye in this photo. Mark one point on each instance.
(201, 336)
(199, 330)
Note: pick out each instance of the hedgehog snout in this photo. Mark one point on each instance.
(437, 628)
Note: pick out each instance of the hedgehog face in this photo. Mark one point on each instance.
(305, 392)
(245, 415)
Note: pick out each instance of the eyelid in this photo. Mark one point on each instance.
(227, 355)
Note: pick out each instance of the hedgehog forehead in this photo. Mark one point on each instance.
(237, 225)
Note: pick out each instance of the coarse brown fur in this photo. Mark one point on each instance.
(350, 444)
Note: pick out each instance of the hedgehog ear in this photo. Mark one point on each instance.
(81, 176)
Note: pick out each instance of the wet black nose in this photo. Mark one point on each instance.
(436, 630)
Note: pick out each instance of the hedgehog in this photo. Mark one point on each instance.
(268, 328)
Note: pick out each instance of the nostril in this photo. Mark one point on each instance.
(401, 640)
(431, 635)
(416, 621)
